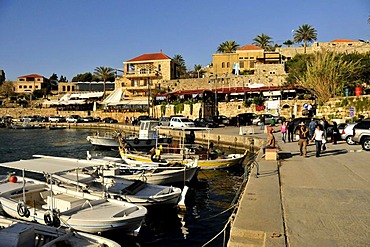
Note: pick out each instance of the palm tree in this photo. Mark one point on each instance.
(263, 40)
(288, 43)
(198, 68)
(305, 34)
(103, 73)
(179, 60)
(228, 47)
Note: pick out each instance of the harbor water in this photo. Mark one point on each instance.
(208, 201)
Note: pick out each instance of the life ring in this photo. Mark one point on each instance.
(22, 210)
(136, 141)
(169, 140)
(148, 142)
(155, 158)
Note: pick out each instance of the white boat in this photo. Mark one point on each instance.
(26, 124)
(49, 204)
(20, 233)
(138, 192)
(108, 139)
(155, 173)
(148, 136)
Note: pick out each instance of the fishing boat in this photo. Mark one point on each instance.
(168, 173)
(49, 204)
(57, 127)
(26, 124)
(107, 139)
(93, 180)
(148, 137)
(20, 233)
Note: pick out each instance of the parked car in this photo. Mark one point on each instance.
(203, 122)
(222, 120)
(181, 122)
(109, 120)
(347, 133)
(88, 120)
(73, 119)
(361, 134)
(242, 119)
(56, 119)
(164, 121)
(142, 117)
(268, 118)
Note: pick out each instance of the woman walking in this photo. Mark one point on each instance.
(318, 136)
(283, 129)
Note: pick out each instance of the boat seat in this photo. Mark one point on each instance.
(133, 188)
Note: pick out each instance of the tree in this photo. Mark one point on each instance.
(179, 60)
(198, 68)
(305, 34)
(6, 89)
(83, 77)
(63, 79)
(228, 47)
(104, 73)
(327, 75)
(288, 43)
(264, 41)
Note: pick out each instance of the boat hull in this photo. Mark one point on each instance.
(87, 213)
(103, 141)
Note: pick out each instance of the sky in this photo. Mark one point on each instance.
(73, 37)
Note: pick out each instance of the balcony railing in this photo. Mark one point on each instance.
(138, 74)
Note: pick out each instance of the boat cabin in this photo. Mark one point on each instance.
(148, 129)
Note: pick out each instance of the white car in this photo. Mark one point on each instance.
(347, 134)
(181, 122)
(73, 119)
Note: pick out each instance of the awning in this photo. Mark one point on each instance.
(49, 164)
(130, 102)
(271, 93)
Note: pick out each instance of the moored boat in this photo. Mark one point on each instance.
(108, 139)
(20, 233)
(48, 204)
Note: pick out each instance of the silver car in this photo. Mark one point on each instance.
(347, 134)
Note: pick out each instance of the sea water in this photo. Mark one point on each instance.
(207, 201)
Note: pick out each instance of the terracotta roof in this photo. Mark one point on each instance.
(250, 47)
(344, 40)
(150, 56)
(31, 75)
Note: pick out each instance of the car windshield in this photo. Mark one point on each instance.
(185, 120)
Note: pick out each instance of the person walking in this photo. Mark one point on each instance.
(290, 126)
(312, 127)
(302, 142)
(283, 129)
(318, 136)
(262, 120)
(335, 133)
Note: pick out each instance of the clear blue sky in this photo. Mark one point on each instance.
(71, 37)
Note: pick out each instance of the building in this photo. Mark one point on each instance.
(30, 83)
(88, 86)
(145, 72)
(2, 76)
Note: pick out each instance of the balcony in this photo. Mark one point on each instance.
(137, 74)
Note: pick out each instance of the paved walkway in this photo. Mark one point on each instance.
(311, 201)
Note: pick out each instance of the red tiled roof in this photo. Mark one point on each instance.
(31, 75)
(151, 56)
(250, 47)
(344, 40)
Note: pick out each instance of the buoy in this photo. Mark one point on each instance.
(13, 179)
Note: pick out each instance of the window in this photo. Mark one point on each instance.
(228, 65)
(36, 87)
(223, 65)
(272, 72)
(251, 58)
(159, 67)
(241, 64)
(20, 86)
(30, 86)
(143, 71)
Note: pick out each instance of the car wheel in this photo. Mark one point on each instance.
(349, 140)
(366, 144)
(207, 125)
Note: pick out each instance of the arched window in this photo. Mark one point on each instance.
(223, 65)
(228, 65)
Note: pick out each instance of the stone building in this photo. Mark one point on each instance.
(30, 83)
